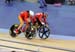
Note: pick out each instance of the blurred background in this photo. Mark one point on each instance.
(61, 17)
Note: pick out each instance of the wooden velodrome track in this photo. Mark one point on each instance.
(21, 44)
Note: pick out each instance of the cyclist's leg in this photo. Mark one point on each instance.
(27, 25)
(23, 28)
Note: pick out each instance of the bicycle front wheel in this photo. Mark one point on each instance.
(44, 32)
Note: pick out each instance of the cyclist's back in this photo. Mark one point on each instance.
(24, 15)
(40, 17)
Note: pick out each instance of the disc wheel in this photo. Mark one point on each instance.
(11, 30)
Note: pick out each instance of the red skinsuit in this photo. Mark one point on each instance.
(24, 15)
(40, 17)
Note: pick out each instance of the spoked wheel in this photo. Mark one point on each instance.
(11, 30)
(44, 32)
(30, 33)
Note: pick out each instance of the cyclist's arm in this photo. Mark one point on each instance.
(21, 22)
(45, 20)
(40, 18)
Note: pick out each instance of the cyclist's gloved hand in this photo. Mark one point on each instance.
(42, 23)
(16, 31)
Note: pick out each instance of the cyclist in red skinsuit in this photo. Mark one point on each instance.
(24, 17)
(40, 18)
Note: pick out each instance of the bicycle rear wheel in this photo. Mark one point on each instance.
(30, 33)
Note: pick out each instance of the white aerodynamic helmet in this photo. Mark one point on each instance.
(31, 12)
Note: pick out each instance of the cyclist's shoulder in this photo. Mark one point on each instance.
(39, 13)
(23, 12)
